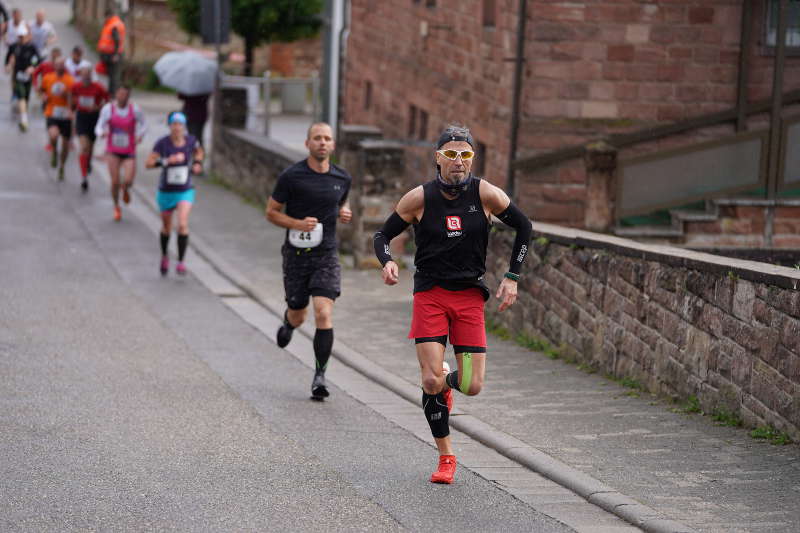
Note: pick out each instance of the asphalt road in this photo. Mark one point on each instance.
(131, 401)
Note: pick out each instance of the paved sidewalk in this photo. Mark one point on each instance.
(708, 477)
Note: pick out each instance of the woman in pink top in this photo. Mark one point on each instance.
(121, 123)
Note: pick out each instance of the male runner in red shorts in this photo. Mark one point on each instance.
(451, 216)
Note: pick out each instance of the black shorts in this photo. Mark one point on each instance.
(313, 273)
(121, 157)
(22, 90)
(85, 123)
(64, 126)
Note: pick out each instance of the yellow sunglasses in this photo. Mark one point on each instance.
(453, 154)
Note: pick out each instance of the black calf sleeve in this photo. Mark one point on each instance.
(164, 242)
(323, 344)
(183, 242)
(436, 413)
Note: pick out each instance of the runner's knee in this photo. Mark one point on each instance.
(432, 384)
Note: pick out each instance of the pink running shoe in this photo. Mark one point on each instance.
(164, 265)
(181, 268)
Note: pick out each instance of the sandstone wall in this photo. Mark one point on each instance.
(683, 323)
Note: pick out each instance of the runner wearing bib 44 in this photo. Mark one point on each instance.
(88, 97)
(180, 157)
(121, 123)
(56, 88)
(313, 193)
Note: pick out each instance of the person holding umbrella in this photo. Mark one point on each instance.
(180, 157)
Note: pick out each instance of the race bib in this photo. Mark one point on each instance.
(177, 175)
(120, 139)
(60, 111)
(23, 76)
(58, 88)
(86, 102)
(306, 239)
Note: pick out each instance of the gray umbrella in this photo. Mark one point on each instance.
(186, 72)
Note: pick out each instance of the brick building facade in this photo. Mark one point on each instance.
(591, 68)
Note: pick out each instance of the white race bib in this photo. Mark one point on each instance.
(86, 102)
(23, 76)
(306, 239)
(177, 175)
(60, 112)
(120, 139)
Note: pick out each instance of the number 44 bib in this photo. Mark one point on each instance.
(306, 239)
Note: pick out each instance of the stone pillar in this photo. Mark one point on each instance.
(601, 186)
(350, 155)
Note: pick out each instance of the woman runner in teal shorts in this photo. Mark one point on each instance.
(180, 157)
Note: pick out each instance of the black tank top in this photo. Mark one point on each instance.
(451, 240)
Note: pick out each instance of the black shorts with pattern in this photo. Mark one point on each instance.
(308, 273)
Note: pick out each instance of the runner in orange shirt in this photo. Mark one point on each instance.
(57, 86)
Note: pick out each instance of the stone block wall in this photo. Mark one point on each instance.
(250, 163)
(683, 323)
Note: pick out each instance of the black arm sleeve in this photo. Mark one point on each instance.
(393, 227)
(515, 218)
(3, 13)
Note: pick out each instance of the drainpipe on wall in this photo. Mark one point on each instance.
(344, 35)
(334, 22)
(519, 62)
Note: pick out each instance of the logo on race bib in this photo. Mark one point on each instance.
(453, 223)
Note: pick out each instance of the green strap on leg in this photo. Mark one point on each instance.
(466, 372)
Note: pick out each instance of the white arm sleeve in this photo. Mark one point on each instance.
(141, 126)
(102, 121)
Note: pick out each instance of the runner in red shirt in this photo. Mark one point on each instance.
(45, 67)
(88, 97)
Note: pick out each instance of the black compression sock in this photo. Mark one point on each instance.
(164, 243)
(183, 242)
(323, 343)
(436, 413)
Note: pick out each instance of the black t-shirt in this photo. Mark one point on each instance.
(451, 240)
(25, 55)
(306, 193)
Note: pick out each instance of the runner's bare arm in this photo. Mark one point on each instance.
(152, 160)
(276, 215)
(497, 202)
(345, 213)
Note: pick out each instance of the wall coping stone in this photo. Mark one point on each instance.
(265, 143)
(788, 278)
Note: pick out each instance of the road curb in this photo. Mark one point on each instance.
(589, 488)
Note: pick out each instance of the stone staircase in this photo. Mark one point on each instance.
(675, 230)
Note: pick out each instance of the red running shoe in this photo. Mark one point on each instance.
(446, 471)
(117, 213)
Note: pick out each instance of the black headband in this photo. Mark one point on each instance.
(446, 137)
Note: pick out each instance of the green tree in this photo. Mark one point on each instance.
(258, 21)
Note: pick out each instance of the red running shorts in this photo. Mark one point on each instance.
(439, 312)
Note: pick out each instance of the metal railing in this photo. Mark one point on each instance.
(268, 96)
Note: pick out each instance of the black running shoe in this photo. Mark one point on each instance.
(319, 390)
(284, 332)
(284, 335)
(84, 185)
